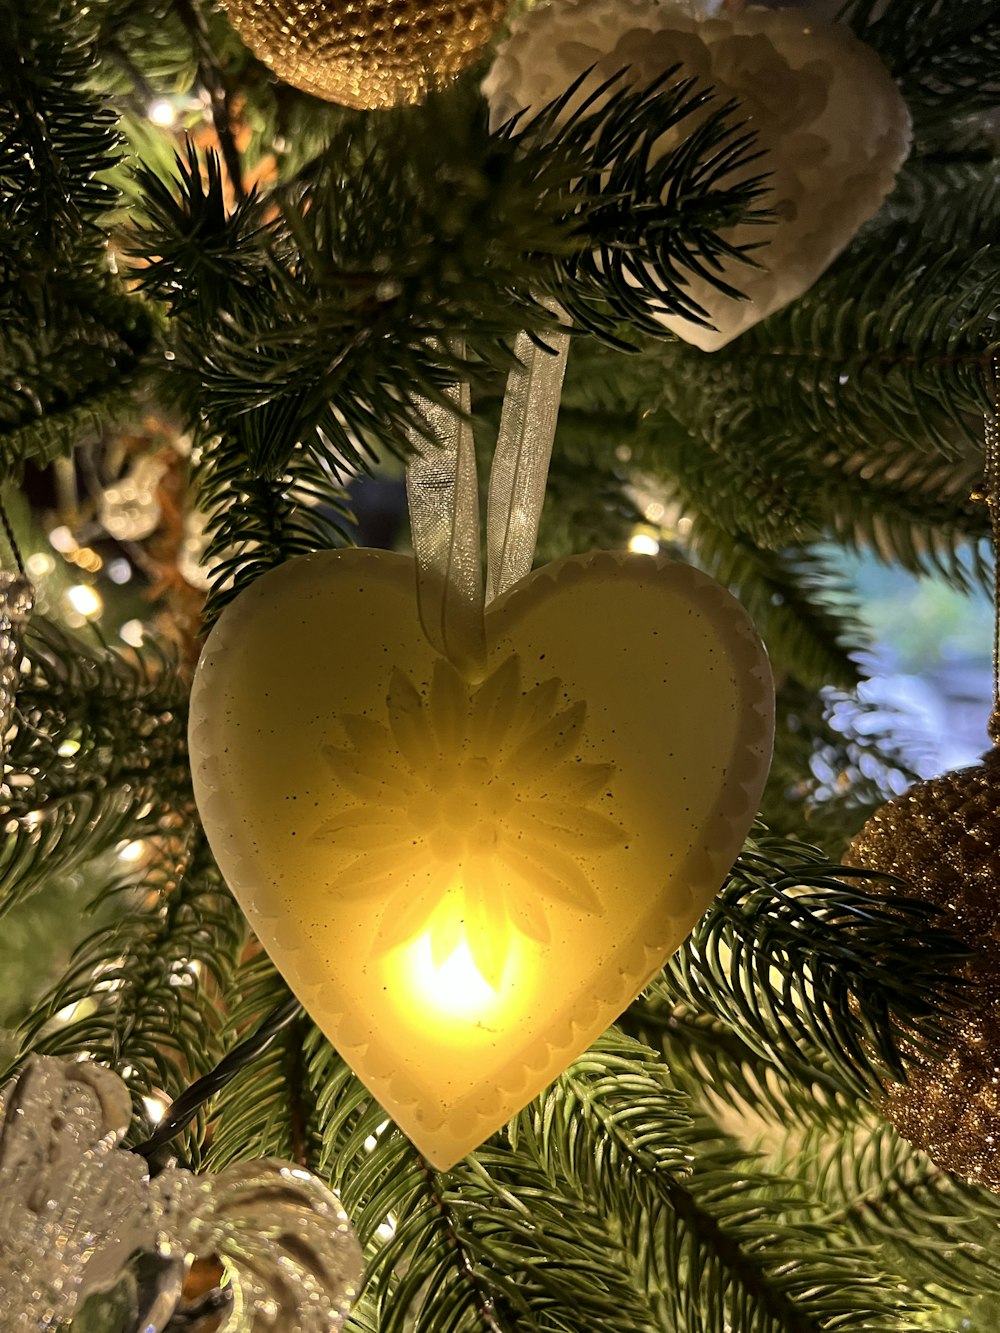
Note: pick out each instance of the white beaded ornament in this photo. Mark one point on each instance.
(834, 126)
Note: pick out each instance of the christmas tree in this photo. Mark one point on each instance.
(232, 312)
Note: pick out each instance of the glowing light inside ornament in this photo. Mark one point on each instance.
(467, 881)
(455, 988)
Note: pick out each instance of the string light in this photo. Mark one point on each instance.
(643, 543)
(62, 540)
(85, 600)
(156, 1104)
(163, 113)
(39, 564)
(119, 570)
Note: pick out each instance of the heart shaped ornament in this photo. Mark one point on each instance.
(466, 883)
(833, 126)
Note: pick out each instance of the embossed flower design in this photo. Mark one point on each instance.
(471, 791)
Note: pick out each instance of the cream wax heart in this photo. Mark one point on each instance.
(465, 883)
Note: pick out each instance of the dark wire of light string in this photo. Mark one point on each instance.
(183, 1110)
(15, 550)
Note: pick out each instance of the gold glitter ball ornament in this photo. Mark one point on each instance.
(943, 838)
(366, 53)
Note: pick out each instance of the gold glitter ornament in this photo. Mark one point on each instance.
(943, 838)
(366, 53)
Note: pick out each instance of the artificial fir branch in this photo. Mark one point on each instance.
(256, 1105)
(56, 138)
(145, 987)
(213, 79)
(54, 435)
(609, 1202)
(797, 959)
(614, 1125)
(836, 759)
(70, 340)
(99, 755)
(722, 1074)
(885, 1191)
(332, 326)
(946, 55)
(793, 597)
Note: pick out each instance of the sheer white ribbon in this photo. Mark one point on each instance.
(443, 498)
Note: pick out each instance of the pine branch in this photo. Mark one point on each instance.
(70, 340)
(946, 551)
(145, 988)
(797, 960)
(889, 1194)
(411, 229)
(727, 1077)
(214, 80)
(56, 434)
(835, 761)
(891, 347)
(443, 1249)
(801, 607)
(945, 53)
(716, 1232)
(732, 512)
(263, 1104)
(256, 524)
(56, 138)
(98, 755)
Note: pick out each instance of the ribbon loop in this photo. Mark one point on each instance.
(443, 497)
(521, 462)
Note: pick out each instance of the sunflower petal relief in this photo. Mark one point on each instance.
(474, 792)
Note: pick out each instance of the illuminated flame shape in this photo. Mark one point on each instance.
(472, 792)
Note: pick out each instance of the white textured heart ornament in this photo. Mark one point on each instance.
(465, 883)
(833, 125)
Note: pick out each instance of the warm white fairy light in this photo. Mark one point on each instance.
(62, 540)
(86, 558)
(85, 600)
(132, 633)
(39, 564)
(163, 113)
(643, 543)
(119, 570)
(156, 1104)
